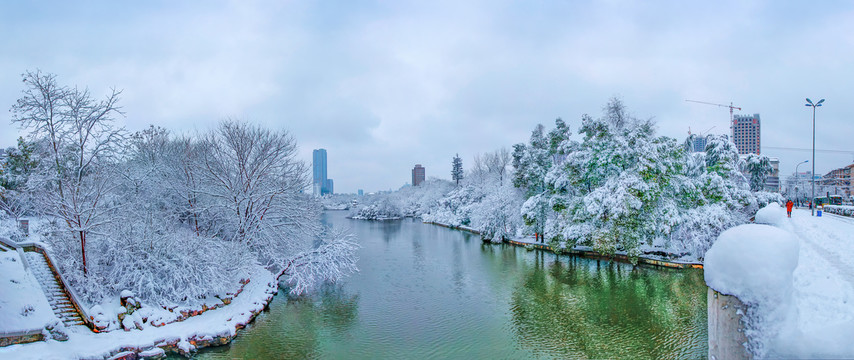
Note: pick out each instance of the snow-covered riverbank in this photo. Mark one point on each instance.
(657, 256)
(214, 327)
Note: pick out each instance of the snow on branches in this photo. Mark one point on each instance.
(174, 219)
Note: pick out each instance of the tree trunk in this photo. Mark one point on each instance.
(83, 250)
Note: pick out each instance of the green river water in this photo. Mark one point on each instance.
(425, 291)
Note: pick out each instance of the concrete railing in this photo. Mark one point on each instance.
(727, 339)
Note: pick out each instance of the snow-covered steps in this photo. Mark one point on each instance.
(56, 295)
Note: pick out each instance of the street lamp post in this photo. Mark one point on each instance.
(798, 177)
(817, 104)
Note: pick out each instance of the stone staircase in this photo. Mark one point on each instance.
(56, 295)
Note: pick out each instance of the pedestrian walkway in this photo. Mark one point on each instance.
(823, 321)
(55, 293)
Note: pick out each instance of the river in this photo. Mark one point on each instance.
(424, 291)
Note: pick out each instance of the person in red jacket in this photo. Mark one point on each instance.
(789, 205)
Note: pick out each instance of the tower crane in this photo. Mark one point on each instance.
(730, 106)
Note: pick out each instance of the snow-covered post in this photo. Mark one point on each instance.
(726, 331)
(749, 271)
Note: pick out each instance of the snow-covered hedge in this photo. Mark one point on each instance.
(383, 209)
(844, 210)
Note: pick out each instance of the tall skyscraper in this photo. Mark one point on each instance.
(745, 134)
(321, 185)
(418, 175)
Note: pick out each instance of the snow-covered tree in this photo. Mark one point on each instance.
(532, 163)
(496, 216)
(79, 142)
(20, 162)
(457, 169)
(15, 170)
(758, 167)
(620, 176)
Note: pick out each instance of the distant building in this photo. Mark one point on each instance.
(798, 186)
(745, 134)
(696, 143)
(329, 187)
(836, 182)
(772, 183)
(321, 185)
(418, 175)
(361, 192)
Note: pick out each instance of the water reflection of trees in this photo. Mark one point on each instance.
(389, 228)
(294, 327)
(582, 308)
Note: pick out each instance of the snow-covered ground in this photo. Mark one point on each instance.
(23, 306)
(214, 324)
(823, 288)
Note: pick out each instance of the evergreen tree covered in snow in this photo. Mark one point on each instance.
(532, 163)
(758, 168)
(15, 170)
(20, 162)
(620, 178)
(457, 169)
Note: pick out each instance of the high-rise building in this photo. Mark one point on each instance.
(745, 134)
(329, 186)
(321, 184)
(418, 175)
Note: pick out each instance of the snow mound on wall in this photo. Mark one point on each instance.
(772, 214)
(756, 263)
(753, 262)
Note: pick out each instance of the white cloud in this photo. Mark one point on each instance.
(386, 85)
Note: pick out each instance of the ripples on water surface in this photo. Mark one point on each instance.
(429, 292)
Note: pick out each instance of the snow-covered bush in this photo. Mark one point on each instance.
(771, 214)
(497, 215)
(485, 200)
(169, 268)
(383, 208)
(415, 201)
(844, 210)
(699, 227)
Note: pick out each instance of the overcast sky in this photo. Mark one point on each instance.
(385, 85)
